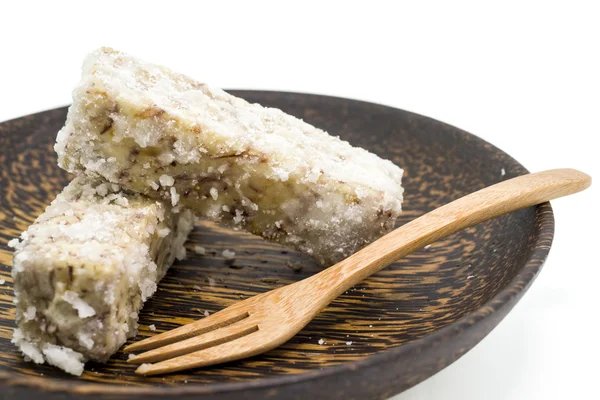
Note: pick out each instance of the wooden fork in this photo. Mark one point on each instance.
(267, 320)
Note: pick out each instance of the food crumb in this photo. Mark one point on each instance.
(144, 368)
(163, 232)
(152, 327)
(122, 201)
(130, 356)
(321, 341)
(102, 190)
(349, 343)
(228, 254)
(196, 287)
(153, 185)
(2, 281)
(206, 313)
(174, 196)
(293, 266)
(214, 193)
(211, 281)
(200, 250)
(427, 247)
(470, 276)
(502, 172)
(166, 180)
(370, 326)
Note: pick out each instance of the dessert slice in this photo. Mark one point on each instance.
(167, 136)
(84, 268)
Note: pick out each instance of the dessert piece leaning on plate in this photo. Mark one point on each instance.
(84, 268)
(160, 133)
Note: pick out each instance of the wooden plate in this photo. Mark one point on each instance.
(385, 335)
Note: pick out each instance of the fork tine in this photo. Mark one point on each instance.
(204, 341)
(243, 347)
(217, 320)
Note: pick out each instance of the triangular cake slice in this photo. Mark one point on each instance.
(162, 134)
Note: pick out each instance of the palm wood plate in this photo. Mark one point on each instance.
(397, 328)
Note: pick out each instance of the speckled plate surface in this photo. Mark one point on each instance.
(392, 331)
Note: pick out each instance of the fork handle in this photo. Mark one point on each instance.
(490, 202)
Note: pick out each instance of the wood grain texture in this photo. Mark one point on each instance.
(405, 323)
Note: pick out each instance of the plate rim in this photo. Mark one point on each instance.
(507, 297)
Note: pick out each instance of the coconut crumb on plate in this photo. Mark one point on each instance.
(228, 254)
(142, 369)
(211, 281)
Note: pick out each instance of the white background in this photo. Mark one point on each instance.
(524, 77)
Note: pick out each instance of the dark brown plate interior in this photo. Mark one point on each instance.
(405, 323)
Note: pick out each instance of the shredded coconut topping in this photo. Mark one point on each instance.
(174, 196)
(99, 245)
(225, 154)
(166, 180)
(84, 310)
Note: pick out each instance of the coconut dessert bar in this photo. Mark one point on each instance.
(167, 136)
(84, 268)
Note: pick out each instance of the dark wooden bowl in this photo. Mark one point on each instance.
(405, 323)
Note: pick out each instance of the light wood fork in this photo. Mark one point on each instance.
(267, 320)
